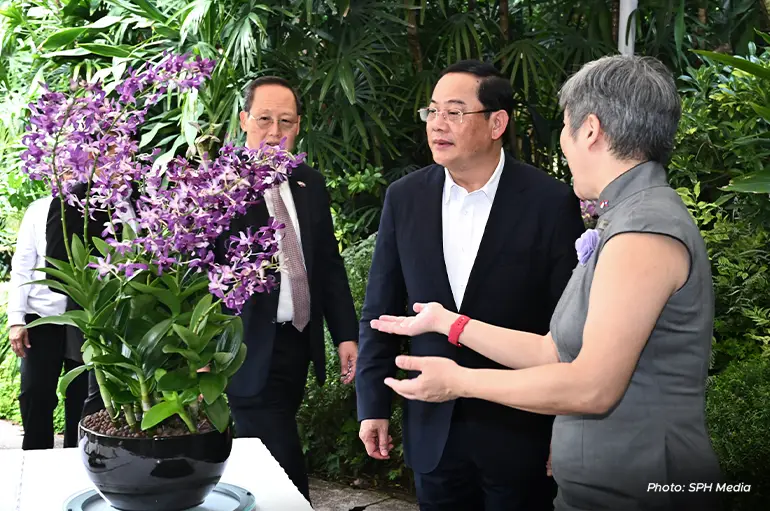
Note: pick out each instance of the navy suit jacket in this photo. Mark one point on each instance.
(330, 297)
(524, 262)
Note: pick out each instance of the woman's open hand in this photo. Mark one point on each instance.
(431, 317)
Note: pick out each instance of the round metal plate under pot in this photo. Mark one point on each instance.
(224, 497)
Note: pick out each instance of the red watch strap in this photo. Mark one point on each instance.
(457, 328)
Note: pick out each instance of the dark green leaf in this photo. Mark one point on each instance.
(170, 283)
(190, 338)
(164, 295)
(61, 265)
(79, 297)
(106, 50)
(105, 314)
(203, 284)
(159, 413)
(209, 333)
(117, 360)
(753, 183)
(62, 38)
(63, 276)
(222, 359)
(54, 320)
(218, 413)
(738, 63)
(67, 378)
(151, 11)
(153, 336)
(188, 354)
(107, 293)
(176, 380)
(140, 304)
(679, 28)
(101, 246)
(762, 111)
(200, 309)
(125, 397)
(236, 363)
(212, 385)
(79, 253)
(167, 32)
(189, 396)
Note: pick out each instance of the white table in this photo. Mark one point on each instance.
(43, 480)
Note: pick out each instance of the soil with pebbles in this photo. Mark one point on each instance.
(101, 423)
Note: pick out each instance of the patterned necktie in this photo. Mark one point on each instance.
(292, 259)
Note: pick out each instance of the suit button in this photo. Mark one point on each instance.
(273, 320)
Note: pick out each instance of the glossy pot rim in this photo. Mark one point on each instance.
(186, 437)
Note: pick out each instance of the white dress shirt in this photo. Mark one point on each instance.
(30, 254)
(285, 306)
(464, 218)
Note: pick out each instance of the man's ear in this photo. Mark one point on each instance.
(299, 120)
(244, 116)
(500, 122)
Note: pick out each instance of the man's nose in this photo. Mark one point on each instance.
(275, 128)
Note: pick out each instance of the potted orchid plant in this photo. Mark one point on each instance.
(159, 293)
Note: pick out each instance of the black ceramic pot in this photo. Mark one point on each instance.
(155, 474)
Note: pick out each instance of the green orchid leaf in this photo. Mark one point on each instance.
(68, 378)
(159, 413)
(176, 380)
(212, 386)
(190, 338)
(190, 355)
(218, 413)
(163, 295)
(153, 336)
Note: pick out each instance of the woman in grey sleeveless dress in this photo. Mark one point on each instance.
(625, 364)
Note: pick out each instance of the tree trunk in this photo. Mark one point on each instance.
(472, 5)
(615, 11)
(412, 38)
(764, 8)
(504, 18)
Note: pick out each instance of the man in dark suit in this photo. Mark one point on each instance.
(283, 329)
(486, 236)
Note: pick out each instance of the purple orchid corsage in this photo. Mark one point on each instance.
(586, 244)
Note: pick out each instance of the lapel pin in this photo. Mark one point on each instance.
(604, 204)
(301, 184)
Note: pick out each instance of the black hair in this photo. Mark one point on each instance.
(269, 80)
(495, 91)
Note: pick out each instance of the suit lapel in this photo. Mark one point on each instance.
(433, 236)
(299, 194)
(506, 209)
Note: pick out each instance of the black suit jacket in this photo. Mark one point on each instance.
(330, 296)
(525, 259)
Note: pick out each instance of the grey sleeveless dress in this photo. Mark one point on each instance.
(657, 432)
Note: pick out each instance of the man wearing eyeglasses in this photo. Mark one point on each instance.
(493, 239)
(283, 329)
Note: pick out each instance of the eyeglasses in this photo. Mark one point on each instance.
(453, 116)
(265, 121)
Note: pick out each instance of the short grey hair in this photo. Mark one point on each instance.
(636, 102)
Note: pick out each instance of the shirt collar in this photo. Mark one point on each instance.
(489, 189)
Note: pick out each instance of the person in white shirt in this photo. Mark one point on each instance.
(46, 349)
(483, 234)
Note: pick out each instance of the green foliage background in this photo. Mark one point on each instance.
(363, 68)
